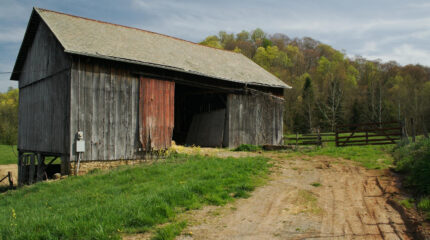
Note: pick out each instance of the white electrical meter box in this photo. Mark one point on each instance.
(80, 146)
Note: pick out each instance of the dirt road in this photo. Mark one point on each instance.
(3, 172)
(307, 198)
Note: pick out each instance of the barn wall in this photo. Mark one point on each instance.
(45, 58)
(156, 105)
(104, 100)
(253, 119)
(44, 96)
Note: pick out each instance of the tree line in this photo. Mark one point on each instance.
(331, 89)
(9, 117)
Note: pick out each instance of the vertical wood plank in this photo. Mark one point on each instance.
(107, 108)
(112, 114)
(100, 109)
(96, 113)
(74, 106)
(134, 139)
(88, 106)
(25, 169)
(117, 113)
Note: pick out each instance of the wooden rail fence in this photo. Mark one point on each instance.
(9, 178)
(378, 133)
(369, 134)
(310, 139)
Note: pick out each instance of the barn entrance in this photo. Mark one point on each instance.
(199, 116)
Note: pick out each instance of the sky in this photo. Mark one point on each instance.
(396, 30)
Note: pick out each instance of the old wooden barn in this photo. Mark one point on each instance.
(128, 92)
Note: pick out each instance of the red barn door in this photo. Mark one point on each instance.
(156, 110)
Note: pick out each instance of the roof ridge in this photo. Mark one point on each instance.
(135, 28)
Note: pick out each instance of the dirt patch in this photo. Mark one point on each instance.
(306, 198)
(3, 172)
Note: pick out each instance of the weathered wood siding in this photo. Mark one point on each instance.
(45, 57)
(44, 105)
(253, 119)
(105, 101)
(156, 109)
(207, 129)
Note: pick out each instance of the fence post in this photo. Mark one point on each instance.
(319, 138)
(20, 170)
(367, 136)
(9, 176)
(337, 138)
(297, 139)
(413, 130)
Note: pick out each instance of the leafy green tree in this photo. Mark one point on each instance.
(271, 57)
(243, 36)
(9, 117)
(345, 90)
(227, 40)
(308, 101)
(258, 35)
(212, 41)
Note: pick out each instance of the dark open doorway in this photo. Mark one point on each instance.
(199, 116)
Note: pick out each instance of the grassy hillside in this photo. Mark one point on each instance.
(103, 205)
(8, 154)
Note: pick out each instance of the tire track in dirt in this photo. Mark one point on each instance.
(349, 204)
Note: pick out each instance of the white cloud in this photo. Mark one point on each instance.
(369, 47)
(11, 35)
(404, 54)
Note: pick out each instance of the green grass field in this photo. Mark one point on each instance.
(8, 154)
(370, 156)
(104, 205)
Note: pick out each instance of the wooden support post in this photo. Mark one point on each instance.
(24, 169)
(65, 165)
(32, 169)
(413, 129)
(20, 156)
(40, 167)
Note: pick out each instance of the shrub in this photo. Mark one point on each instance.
(424, 205)
(247, 148)
(414, 161)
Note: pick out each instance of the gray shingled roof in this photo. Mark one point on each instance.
(105, 40)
